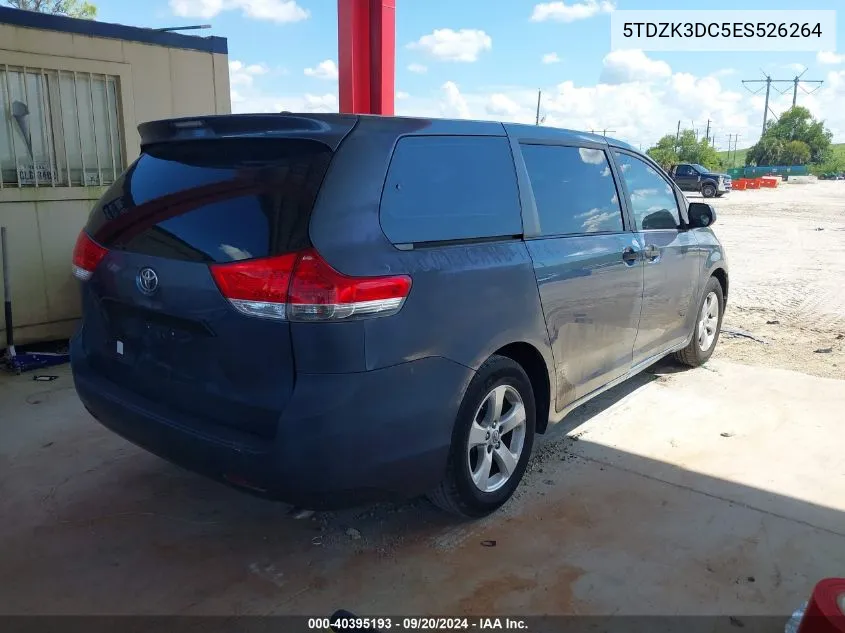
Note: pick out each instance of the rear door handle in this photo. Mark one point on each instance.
(651, 253)
(630, 256)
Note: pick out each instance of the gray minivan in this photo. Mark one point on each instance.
(334, 309)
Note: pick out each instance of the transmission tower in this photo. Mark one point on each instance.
(795, 81)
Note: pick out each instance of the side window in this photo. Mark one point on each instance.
(574, 190)
(683, 170)
(652, 198)
(442, 188)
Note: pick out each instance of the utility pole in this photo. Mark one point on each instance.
(736, 142)
(795, 81)
(707, 135)
(539, 95)
(678, 135)
(603, 132)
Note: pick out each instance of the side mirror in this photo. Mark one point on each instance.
(701, 214)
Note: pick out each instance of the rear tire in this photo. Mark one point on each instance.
(708, 190)
(486, 439)
(708, 323)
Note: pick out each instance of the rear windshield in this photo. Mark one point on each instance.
(213, 201)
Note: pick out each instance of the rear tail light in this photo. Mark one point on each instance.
(303, 287)
(87, 254)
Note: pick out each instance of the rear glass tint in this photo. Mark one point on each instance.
(442, 188)
(213, 201)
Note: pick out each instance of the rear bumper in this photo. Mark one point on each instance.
(343, 439)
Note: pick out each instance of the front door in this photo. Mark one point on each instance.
(671, 269)
(589, 268)
(686, 178)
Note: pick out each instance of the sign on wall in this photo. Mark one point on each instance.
(44, 171)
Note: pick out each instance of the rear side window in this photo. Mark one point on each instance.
(442, 188)
(574, 190)
(213, 201)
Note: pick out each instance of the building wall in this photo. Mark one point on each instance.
(155, 82)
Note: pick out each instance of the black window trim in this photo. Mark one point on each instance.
(409, 246)
(662, 174)
(535, 233)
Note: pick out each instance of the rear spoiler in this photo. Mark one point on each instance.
(329, 129)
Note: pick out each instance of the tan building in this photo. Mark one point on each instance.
(72, 93)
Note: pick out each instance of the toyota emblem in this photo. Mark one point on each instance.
(147, 281)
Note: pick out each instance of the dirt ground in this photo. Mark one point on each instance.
(719, 490)
(786, 252)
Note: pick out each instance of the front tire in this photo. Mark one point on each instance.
(491, 441)
(708, 190)
(708, 324)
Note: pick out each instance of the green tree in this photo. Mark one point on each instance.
(687, 149)
(796, 124)
(72, 8)
(664, 153)
(796, 153)
(767, 151)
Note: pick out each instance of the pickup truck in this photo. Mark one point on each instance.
(692, 177)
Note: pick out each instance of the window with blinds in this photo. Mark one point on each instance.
(59, 128)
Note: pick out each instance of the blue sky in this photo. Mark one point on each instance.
(488, 58)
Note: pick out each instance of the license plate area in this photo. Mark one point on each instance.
(138, 334)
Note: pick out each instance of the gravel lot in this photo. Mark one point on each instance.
(786, 252)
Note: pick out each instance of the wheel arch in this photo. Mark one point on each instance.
(721, 276)
(535, 365)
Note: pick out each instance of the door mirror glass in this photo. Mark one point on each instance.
(701, 214)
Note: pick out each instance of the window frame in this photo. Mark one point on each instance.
(119, 109)
(531, 218)
(680, 199)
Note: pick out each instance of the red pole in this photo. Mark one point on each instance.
(382, 56)
(366, 55)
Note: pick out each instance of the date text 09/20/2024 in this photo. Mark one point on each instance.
(416, 624)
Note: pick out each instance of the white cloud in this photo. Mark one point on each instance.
(625, 66)
(796, 68)
(401, 95)
(418, 68)
(241, 74)
(724, 72)
(321, 103)
(829, 57)
(638, 112)
(272, 10)
(502, 105)
(551, 58)
(456, 46)
(562, 12)
(454, 105)
(326, 69)
(591, 156)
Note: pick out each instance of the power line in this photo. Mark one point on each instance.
(795, 81)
